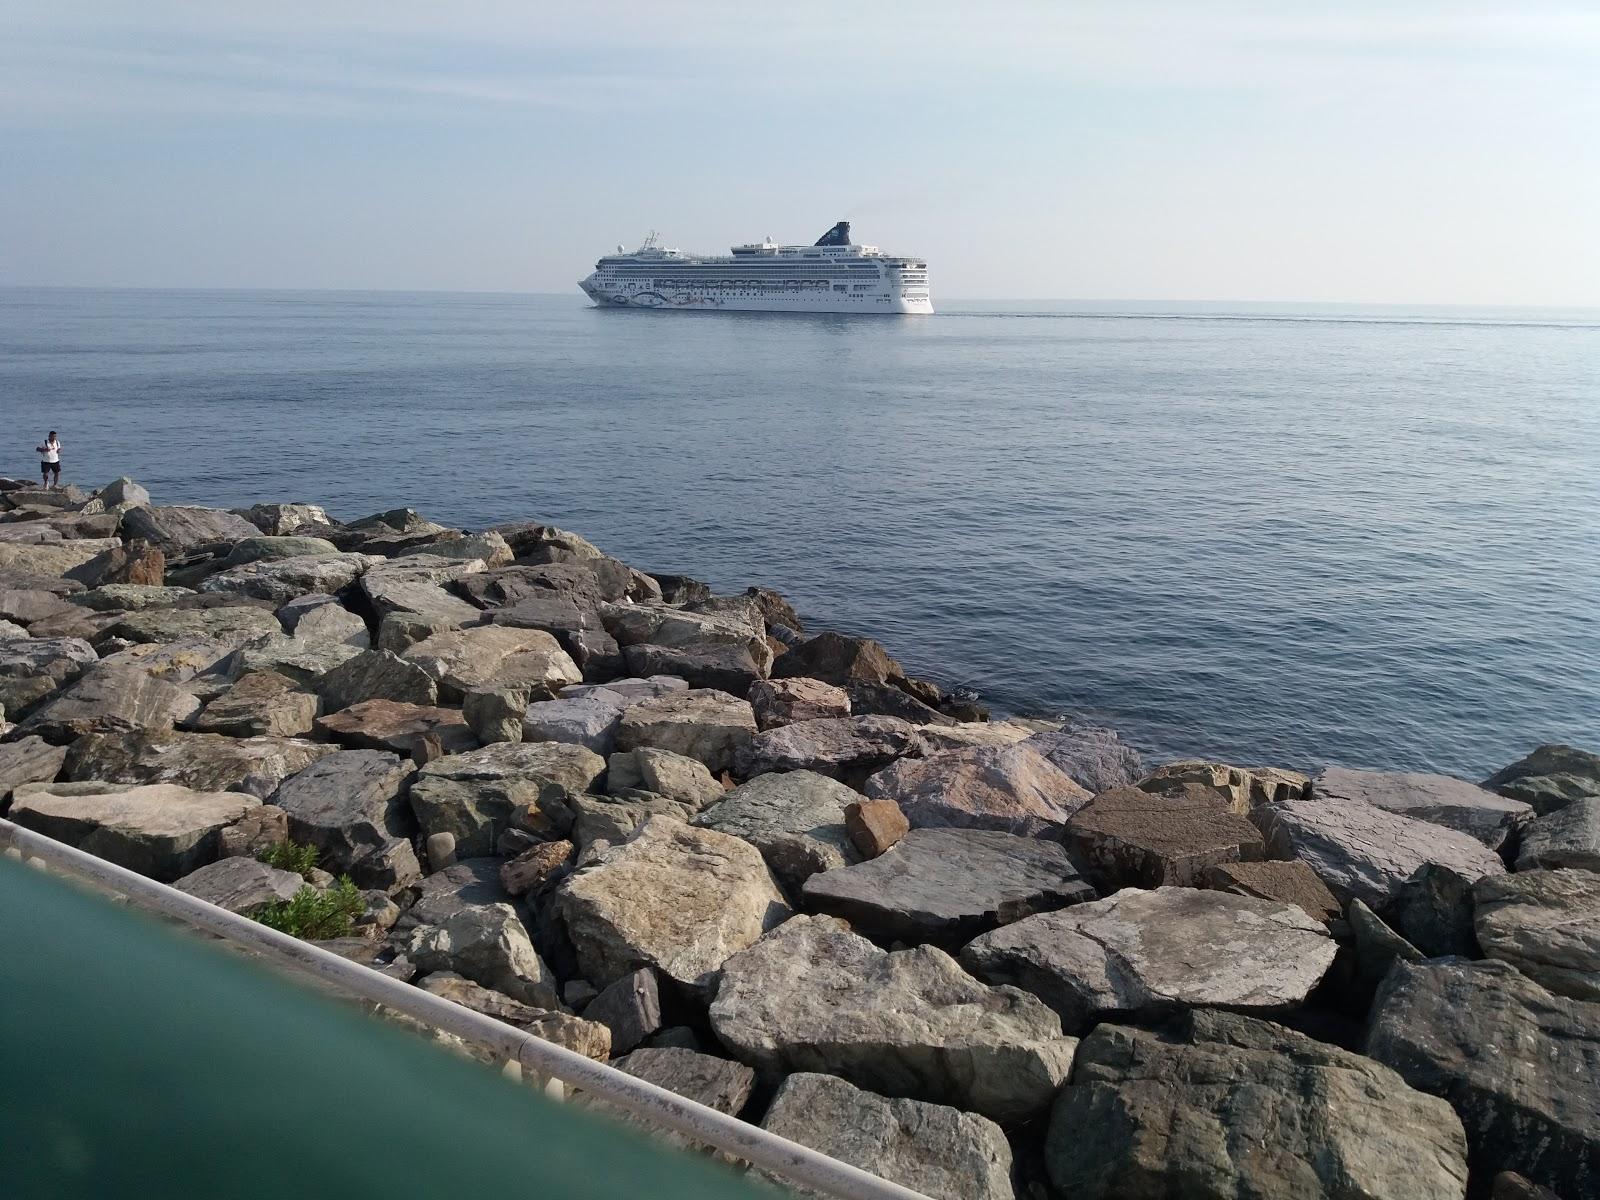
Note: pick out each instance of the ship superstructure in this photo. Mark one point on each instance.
(833, 275)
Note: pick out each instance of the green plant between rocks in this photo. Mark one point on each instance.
(289, 855)
(314, 915)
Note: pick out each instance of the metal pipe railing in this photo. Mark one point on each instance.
(515, 1048)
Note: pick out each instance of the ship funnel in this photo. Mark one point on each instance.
(839, 235)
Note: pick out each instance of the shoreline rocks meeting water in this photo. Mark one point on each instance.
(764, 867)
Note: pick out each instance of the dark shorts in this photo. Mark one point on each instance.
(46, 468)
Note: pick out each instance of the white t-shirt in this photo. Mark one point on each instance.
(50, 452)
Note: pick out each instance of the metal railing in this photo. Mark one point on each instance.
(516, 1049)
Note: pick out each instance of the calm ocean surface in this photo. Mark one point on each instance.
(1366, 537)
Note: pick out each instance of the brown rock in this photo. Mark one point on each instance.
(1293, 882)
(1244, 787)
(875, 825)
(1134, 838)
(394, 724)
(785, 701)
(840, 659)
(258, 830)
(533, 869)
(263, 702)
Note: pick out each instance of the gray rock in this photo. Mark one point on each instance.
(27, 605)
(948, 885)
(841, 660)
(579, 1035)
(280, 580)
(887, 700)
(129, 597)
(416, 589)
(605, 819)
(937, 1151)
(27, 760)
(812, 996)
(479, 794)
(488, 547)
(487, 944)
(260, 829)
(1220, 1106)
(1434, 912)
(700, 723)
(261, 703)
(494, 713)
(111, 700)
(675, 776)
(784, 701)
(465, 660)
(277, 520)
(1516, 1062)
(1376, 948)
(203, 761)
(590, 720)
(630, 1007)
(176, 529)
(1013, 789)
(376, 675)
(176, 662)
(731, 669)
(352, 805)
(1133, 838)
(232, 624)
(318, 617)
(33, 668)
(1363, 852)
(1552, 777)
(1546, 924)
(1291, 882)
(123, 491)
(966, 734)
(634, 689)
(795, 819)
(1146, 953)
(848, 749)
(675, 898)
(441, 850)
(241, 885)
(160, 830)
(303, 661)
(1097, 760)
(395, 725)
(703, 1078)
(1567, 837)
(52, 561)
(1439, 799)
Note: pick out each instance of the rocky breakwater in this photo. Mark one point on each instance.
(768, 869)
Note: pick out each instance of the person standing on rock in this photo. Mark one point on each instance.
(50, 460)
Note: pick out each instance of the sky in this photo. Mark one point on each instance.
(1405, 152)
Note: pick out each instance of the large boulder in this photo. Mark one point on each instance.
(578, 1034)
(795, 819)
(948, 885)
(1440, 799)
(1146, 953)
(161, 830)
(732, 669)
(203, 761)
(1133, 838)
(840, 659)
(241, 885)
(1363, 852)
(129, 597)
(176, 529)
(1546, 924)
(376, 675)
(675, 898)
(478, 795)
(462, 660)
(714, 1082)
(488, 944)
(352, 805)
(675, 776)
(33, 668)
(52, 561)
(234, 624)
(812, 996)
(849, 749)
(319, 617)
(935, 1150)
(261, 703)
(1096, 759)
(1434, 912)
(111, 700)
(1291, 882)
(1244, 788)
(1220, 1106)
(281, 580)
(1014, 789)
(1516, 1062)
(1567, 837)
(615, 818)
(416, 588)
(119, 564)
(590, 720)
(27, 760)
(278, 520)
(700, 723)
(1552, 777)
(396, 725)
(785, 701)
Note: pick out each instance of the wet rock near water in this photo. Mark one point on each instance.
(1439, 799)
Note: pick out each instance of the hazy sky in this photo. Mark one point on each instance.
(1395, 152)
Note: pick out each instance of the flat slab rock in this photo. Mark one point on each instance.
(203, 761)
(1546, 924)
(676, 898)
(464, 659)
(395, 725)
(812, 996)
(241, 885)
(784, 701)
(715, 1082)
(1219, 1106)
(1013, 789)
(1134, 838)
(844, 748)
(946, 886)
(1363, 852)
(161, 830)
(1439, 799)
(1146, 953)
(1515, 1061)
(1096, 759)
(796, 820)
(1291, 882)
(585, 1037)
(937, 1151)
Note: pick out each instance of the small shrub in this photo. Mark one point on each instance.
(314, 915)
(291, 856)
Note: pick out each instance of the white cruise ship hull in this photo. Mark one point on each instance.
(687, 301)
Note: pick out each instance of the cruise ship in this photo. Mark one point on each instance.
(834, 275)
